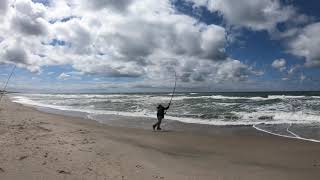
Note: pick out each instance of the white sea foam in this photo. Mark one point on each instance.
(224, 97)
(279, 117)
(243, 118)
(165, 98)
(295, 136)
(291, 97)
(27, 101)
(235, 97)
(250, 112)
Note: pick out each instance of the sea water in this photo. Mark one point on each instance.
(288, 114)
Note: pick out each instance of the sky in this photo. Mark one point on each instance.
(139, 45)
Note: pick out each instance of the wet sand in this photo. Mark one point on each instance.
(38, 145)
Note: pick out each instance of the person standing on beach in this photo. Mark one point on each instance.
(160, 115)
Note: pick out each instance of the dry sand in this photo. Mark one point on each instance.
(37, 145)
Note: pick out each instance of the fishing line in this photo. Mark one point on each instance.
(174, 89)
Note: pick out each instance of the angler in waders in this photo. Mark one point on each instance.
(160, 115)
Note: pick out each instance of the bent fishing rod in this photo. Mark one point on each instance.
(5, 86)
(174, 89)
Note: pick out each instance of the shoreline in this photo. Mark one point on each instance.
(139, 122)
(38, 145)
(144, 123)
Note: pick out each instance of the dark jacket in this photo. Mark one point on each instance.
(161, 110)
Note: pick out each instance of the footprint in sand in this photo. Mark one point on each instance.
(86, 141)
(158, 177)
(84, 131)
(139, 166)
(22, 157)
(63, 172)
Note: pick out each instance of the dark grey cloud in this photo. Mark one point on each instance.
(199, 76)
(29, 26)
(137, 40)
(3, 6)
(115, 69)
(16, 54)
(29, 18)
(117, 5)
(134, 49)
(80, 39)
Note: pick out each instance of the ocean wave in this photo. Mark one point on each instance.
(193, 93)
(292, 97)
(279, 117)
(257, 98)
(218, 110)
(238, 118)
(27, 101)
(178, 97)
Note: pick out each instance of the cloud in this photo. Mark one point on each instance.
(252, 14)
(236, 71)
(281, 20)
(306, 44)
(16, 54)
(111, 69)
(3, 6)
(29, 18)
(279, 64)
(142, 39)
(293, 69)
(75, 75)
(64, 76)
(302, 77)
(117, 5)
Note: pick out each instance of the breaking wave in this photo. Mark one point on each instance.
(257, 109)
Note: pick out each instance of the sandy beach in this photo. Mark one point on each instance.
(38, 145)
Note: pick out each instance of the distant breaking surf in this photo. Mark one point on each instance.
(260, 110)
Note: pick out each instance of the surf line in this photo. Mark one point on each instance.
(295, 136)
(5, 86)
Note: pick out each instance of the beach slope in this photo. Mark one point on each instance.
(37, 145)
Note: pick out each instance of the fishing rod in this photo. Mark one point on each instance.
(5, 86)
(174, 89)
(175, 84)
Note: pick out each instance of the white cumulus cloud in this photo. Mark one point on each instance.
(306, 44)
(253, 14)
(279, 64)
(125, 38)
